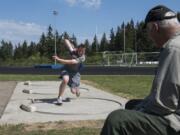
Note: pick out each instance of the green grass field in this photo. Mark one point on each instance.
(125, 86)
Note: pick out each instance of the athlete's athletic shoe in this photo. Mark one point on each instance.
(59, 101)
(78, 93)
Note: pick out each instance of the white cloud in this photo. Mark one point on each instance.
(86, 3)
(71, 2)
(19, 31)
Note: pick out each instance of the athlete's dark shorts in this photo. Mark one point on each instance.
(74, 78)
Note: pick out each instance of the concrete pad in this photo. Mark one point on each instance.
(93, 104)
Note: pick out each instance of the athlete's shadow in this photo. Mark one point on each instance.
(48, 100)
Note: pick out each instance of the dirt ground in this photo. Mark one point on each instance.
(61, 125)
(6, 90)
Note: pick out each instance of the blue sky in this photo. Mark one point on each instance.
(26, 19)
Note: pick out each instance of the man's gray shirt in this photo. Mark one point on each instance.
(164, 98)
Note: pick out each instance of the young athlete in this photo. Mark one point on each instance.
(71, 71)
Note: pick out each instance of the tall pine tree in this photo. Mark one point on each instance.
(112, 41)
(6, 50)
(95, 45)
(103, 44)
(88, 49)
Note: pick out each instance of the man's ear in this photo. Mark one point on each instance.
(155, 27)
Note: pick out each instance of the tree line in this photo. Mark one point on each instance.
(136, 40)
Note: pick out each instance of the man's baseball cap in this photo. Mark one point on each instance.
(178, 16)
(159, 13)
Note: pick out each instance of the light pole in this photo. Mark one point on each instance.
(124, 31)
(55, 13)
(135, 38)
(97, 38)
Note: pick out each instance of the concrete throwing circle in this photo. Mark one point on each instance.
(42, 92)
(77, 106)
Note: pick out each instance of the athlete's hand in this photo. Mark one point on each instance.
(55, 57)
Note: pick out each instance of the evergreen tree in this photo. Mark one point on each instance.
(6, 50)
(88, 49)
(112, 41)
(74, 40)
(24, 50)
(104, 43)
(50, 43)
(18, 53)
(59, 44)
(42, 46)
(50, 35)
(119, 39)
(144, 44)
(32, 49)
(95, 45)
(130, 36)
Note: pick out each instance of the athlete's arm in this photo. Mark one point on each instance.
(69, 45)
(65, 61)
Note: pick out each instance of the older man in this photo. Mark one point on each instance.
(159, 112)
